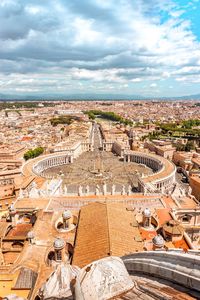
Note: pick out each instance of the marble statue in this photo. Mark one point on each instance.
(80, 190)
(87, 189)
(97, 190)
(113, 189)
(189, 191)
(129, 189)
(123, 189)
(65, 189)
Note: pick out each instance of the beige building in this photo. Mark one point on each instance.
(183, 160)
(195, 185)
(7, 182)
(161, 148)
(11, 151)
(189, 161)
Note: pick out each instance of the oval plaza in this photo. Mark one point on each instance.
(105, 168)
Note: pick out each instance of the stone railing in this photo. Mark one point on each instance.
(73, 202)
(176, 266)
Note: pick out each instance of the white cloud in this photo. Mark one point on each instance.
(177, 13)
(34, 9)
(136, 80)
(84, 32)
(96, 75)
(93, 42)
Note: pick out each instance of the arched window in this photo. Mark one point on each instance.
(186, 218)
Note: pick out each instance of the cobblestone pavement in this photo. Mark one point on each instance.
(98, 168)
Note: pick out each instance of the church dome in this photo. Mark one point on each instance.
(158, 240)
(30, 235)
(58, 243)
(66, 214)
(103, 279)
(147, 212)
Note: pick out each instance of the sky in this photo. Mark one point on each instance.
(128, 47)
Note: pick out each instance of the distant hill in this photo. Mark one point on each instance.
(190, 97)
(43, 97)
(173, 98)
(5, 97)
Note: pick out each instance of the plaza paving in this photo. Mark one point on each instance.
(93, 170)
(97, 168)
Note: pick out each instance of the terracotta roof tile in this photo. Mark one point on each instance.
(105, 229)
(20, 230)
(163, 215)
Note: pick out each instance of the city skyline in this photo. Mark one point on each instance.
(148, 48)
(94, 194)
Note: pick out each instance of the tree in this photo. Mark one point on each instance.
(189, 146)
(91, 115)
(32, 153)
(180, 147)
(108, 115)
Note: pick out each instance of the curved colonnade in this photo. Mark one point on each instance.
(38, 165)
(163, 176)
(51, 161)
(164, 171)
(147, 159)
(164, 265)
